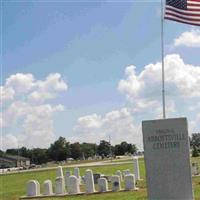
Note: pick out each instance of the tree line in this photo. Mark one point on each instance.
(195, 144)
(62, 150)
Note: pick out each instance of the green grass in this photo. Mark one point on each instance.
(12, 186)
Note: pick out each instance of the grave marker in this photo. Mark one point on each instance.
(167, 159)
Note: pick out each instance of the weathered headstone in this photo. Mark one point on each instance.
(129, 181)
(33, 189)
(67, 175)
(77, 172)
(89, 181)
(60, 185)
(48, 189)
(126, 172)
(59, 172)
(136, 168)
(119, 173)
(195, 169)
(102, 185)
(38, 186)
(74, 187)
(167, 159)
(115, 182)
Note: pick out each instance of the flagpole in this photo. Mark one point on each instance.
(163, 63)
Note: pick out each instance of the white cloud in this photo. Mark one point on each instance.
(144, 90)
(32, 119)
(188, 39)
(20, 83)
(48, 89)
(143, 94)
(6, 94)
(118, 124)
(9, 141)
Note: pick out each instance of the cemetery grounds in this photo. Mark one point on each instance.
(12, 186)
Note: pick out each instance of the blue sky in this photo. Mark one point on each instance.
(90, 44)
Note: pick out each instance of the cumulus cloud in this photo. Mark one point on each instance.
(188, 39)
(143, 90)
(6, 94)
(31, 118)
(117, 124)
(143, 94)
(47, 89)
(9, 141)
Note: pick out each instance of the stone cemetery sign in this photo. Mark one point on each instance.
(167, 159)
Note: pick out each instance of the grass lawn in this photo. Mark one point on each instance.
(12, 186)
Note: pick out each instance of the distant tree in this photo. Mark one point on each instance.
(1, 153)
(39, 156)
(88, 149)
(195, 152)
(12, 151)
(195, 140)
(76, 152)
(131, 148)
(59, 150)
(23, 151)
(118, 150)
(104, 148)
(124, 147)
(195, 144)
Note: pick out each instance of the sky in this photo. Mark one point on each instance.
(90, 70)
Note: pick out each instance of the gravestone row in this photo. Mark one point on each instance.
(72, 183)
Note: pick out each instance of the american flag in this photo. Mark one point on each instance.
(184, 11)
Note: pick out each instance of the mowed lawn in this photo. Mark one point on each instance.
(12, 186)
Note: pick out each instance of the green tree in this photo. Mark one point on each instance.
(76, 152)
(195, 152)
(59, 150)
(131, 148)
(118, 150)
(1, 153)
(88, 149)
(39, 156)
(124, 147)
(12, 151)
(195, 141)
(104, 148)
(25, 152)
(195, 144)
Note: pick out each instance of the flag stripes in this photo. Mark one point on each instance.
(187, 11)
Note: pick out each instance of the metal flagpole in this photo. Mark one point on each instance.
(163, 63)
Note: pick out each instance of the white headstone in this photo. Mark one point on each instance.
(167, 159)
(67, 175)
(126, 172)
(115, 182)
(33, 189)
(103, 185)
(89, 181)
(74, 187)
(77, 174)
(136, 168)
(119, 173)
(48, 189)
(38, 186)
(60, 185)
(129, 181)
(59, 172)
